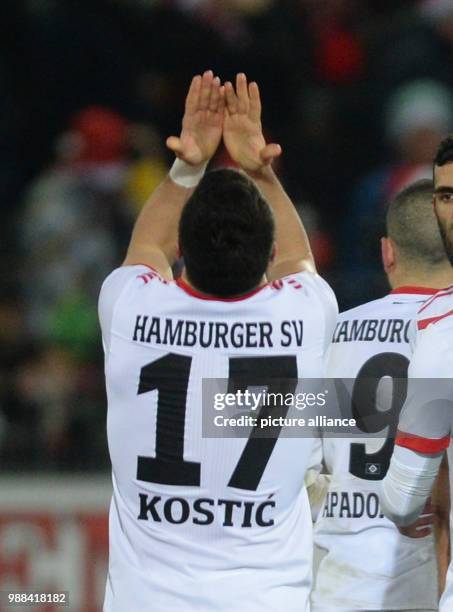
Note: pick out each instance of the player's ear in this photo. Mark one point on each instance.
(388, 255)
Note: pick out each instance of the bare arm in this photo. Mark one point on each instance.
(244, 140)
(154, 239)
(155, 236)
(441, 501)
(293, 252)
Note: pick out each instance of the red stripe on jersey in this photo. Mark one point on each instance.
(441, 293)
(419, 444)
(148, 276)
(415, 290)
(151, 275)
(423, 323)
(294, 283)
(202, 296)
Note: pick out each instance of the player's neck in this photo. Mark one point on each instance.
(436, 280)
(209, 295)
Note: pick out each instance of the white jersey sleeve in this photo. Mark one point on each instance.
(426, 418)
(408, 484)
(111, 291)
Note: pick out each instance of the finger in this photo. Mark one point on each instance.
(255, 102)
(215, 95)
(410, 532)
(422, 533)
(174, 144)
(193, 94)
(429, 507)
(221, 105)
(242, 93)
(230, 98)
(425, 520)
(205, 93)
(270, 152)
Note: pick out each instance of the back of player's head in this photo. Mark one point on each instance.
(444, 153)
(226, 234)
(412, 225)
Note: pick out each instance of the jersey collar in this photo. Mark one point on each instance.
(202, 296)
(414, 290)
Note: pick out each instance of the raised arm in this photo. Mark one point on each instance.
(155, 236)
(244, 140)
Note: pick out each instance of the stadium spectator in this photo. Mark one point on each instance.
(416, 116)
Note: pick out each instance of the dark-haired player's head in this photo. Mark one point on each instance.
(443, 193)
(413, 247)
(226, 234)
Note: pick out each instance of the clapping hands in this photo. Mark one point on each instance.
(213, 111)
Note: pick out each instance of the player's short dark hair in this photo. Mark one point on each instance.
(412, 224)
(226, 234)
(444, 153)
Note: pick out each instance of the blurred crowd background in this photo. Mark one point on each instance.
(358, 92)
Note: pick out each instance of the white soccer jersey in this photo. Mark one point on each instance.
(368, 564)
(423, 427)
(197, 523)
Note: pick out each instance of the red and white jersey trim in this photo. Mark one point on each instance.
(149, 276)
(181, 283)
(442, 293)
(413, 290)
(295, 283)
(423, 323)
(420, 444)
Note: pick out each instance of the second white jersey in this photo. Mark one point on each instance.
(426, 421)
(367, 563)
(198, 523)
